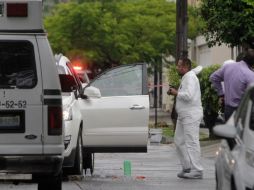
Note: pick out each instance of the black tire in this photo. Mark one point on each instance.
(89, 162)
(50, 182)
(78, 164)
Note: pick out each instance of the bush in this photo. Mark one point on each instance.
(209, 95)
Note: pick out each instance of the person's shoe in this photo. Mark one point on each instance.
(193, 175)
(181, 174)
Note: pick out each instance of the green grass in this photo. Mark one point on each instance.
(168, 131)
(203, 136)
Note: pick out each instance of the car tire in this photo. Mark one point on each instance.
(50, 182)
(78, 163)
(89, 162)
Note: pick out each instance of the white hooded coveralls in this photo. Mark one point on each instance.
(190, 113)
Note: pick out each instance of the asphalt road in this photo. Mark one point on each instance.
(156, 169)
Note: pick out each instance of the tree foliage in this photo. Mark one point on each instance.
(228, 21)
(115, 32)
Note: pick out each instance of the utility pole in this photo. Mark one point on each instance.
(181, 28)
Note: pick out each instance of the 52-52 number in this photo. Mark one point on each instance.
(13, 104)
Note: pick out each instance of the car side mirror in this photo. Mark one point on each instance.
(92, 92)
(225, 131)
(68, 83)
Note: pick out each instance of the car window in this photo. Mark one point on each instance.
(241, 112)
(241, 115)
(74, 74)
(122, 81)
(17, 64)
(252, 118)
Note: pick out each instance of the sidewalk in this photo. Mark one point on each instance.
(163, 116)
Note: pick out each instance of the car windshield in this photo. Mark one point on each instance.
(17, 65)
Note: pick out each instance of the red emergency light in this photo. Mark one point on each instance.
(17, 10)
(77, 68)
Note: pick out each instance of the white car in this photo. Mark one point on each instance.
(73, 156)
(109, 115)
(235, 157)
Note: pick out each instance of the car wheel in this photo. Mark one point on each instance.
(50, 182)
(78, 164)
(89, 162)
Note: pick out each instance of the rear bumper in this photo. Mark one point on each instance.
(39, 164)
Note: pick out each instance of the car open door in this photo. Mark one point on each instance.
(115, 117)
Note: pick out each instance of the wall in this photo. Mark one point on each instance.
(205, 56)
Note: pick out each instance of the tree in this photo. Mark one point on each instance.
(116, 31)
(228, 21)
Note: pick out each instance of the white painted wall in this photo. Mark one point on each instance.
(200, 53)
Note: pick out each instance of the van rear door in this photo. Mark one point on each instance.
(20, 95)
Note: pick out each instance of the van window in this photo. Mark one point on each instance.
(17, 65)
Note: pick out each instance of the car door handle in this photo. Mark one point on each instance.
(137, 107)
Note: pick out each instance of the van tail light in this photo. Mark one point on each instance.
(55, 120)
(17, 10)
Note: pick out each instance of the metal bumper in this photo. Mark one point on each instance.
(39, 164)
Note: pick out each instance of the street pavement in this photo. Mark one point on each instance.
(155, 169)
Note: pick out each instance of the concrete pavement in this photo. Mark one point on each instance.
(156, 169)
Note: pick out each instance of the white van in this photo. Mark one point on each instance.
(31, 135)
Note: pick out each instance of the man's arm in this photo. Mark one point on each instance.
(216, 79)
(187, 88)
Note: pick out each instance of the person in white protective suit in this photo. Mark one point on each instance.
(190, 113)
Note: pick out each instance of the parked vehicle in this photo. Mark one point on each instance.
(31, 135)
(235, 158)
(73, 123)
(110, 114)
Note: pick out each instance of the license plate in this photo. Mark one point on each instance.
(9, 121)
(12, 121)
